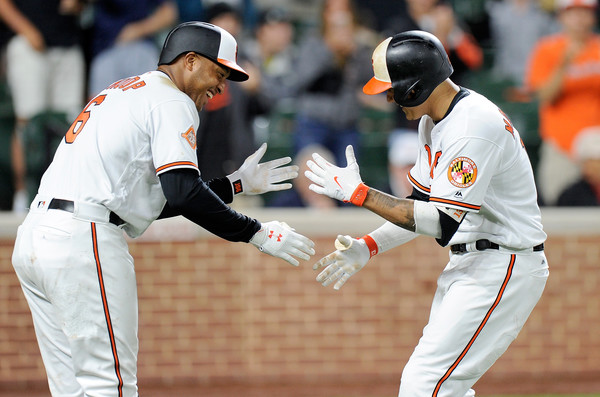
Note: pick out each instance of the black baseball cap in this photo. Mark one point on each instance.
(206, 39)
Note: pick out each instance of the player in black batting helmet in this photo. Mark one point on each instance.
(468, 153)
(413, 63)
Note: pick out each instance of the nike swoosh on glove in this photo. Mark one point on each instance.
(339, 183)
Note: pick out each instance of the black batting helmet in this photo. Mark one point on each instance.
(205, 39)
(413, 63)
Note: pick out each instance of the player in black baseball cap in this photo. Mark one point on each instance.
(205, 39)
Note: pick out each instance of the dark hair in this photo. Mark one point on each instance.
(219, 9)
(273, 15)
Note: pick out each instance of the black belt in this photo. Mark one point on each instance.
(482, 245)
(69, 206)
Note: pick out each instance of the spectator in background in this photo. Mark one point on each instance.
(586, 191)
(6, 127)
(123, 38)
(564, 74)
(189, 10)
(300, 195)
(381, 15)
(403, 148)
(437, 17)
(246, 8)
(516, 26)
(45, 70)
(231, 113)
(272, 54)
(330, 72)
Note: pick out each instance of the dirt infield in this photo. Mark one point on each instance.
(485, 388)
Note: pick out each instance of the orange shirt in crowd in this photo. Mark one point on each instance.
(578, 104)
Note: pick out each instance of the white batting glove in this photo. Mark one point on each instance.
(342, 184)
(279, 240)
(254, 178)
(350, 256)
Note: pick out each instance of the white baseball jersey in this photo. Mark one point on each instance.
(125, 137)
(474, 160)
(75, 264)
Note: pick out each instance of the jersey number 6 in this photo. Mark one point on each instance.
(80, 121)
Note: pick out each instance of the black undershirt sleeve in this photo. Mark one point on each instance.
(417, 195)
(222, 188)
(449, 227)
(188, 195)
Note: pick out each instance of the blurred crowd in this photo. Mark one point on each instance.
(539, 60)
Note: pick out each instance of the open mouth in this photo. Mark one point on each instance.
(209, 94)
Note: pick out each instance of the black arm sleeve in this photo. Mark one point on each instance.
(222, 188)
(189, 196)
(417, 195)
(449, 225)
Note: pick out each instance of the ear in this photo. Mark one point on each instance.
(190, 60)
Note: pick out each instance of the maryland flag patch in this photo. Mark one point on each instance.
(190, 137)
(462, 172)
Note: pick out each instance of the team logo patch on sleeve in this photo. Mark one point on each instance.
(190, 137)
(462, 172)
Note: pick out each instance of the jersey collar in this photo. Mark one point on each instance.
(463, 92)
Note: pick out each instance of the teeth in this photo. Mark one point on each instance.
(209, 94)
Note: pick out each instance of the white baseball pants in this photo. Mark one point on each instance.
(482, 301)
(79, 281)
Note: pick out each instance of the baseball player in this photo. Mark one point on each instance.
(473, 190)
(128, 159)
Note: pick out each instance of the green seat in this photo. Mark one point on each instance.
(7, 125)
(6, 174)
(523, 113)
(280, 130)
(375, 126)
(41, 137)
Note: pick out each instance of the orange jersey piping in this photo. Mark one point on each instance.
(176, 164)
(462, 355)
(418, 185)
(457, 203)
(111, 333)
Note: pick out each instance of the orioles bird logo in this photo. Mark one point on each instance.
(190, 137)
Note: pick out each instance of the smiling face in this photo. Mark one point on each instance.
(202, 79)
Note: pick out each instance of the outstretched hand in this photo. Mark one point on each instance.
(279, 240)
(350, 256)
(335, 182)
(254, 178)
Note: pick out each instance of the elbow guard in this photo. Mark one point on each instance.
(439, 222)
(427, 219)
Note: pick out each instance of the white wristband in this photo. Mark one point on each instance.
(427, 219)
(388, 236)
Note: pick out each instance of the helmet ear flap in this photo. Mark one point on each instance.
(407, 96)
